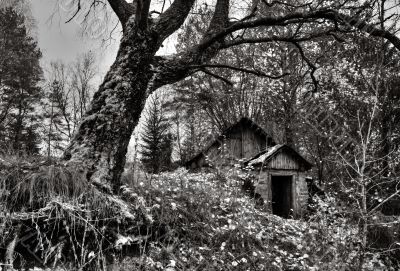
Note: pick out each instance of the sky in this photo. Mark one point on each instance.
(64, 41)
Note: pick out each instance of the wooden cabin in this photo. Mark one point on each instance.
(240, 141)
(281, 180)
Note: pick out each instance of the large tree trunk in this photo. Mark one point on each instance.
(101, 142)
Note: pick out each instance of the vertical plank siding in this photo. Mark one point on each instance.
(241, 143)
(283, 161)
(242, 140)
(252, 143)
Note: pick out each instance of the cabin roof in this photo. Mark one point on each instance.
(246, 122)
(265, 156)
(243, 121)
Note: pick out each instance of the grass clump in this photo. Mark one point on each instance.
(36, 189)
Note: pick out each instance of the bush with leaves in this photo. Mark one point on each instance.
(203, 221)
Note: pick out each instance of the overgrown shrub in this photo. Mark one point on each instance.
(171, 221)
(204, 222)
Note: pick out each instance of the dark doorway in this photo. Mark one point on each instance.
(281, 187)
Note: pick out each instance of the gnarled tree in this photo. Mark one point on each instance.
(101, 141)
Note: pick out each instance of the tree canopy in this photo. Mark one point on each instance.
(20, 74)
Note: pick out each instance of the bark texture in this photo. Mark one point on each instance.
(100, 145)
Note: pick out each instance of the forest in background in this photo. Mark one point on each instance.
(335, 99)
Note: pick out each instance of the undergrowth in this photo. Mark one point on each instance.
(173, 221)
(51, 217)
(209, 223)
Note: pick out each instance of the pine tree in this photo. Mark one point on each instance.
(156, 149)
(54, 115)
(20, 94)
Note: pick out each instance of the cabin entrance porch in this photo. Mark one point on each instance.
(281, 190)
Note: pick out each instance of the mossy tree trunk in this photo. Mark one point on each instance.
(100, 144)
(104, 133)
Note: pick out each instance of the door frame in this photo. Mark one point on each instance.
(292, 175)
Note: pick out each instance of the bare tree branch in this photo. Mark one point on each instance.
(283, 38)
(309, 63)
(142, 13)
(174, 69)
(216, 76)
(220, 19)
(76, 12)
(123, 10)
(369, 28)
(173, 18)
(297, 17)
(254, 72)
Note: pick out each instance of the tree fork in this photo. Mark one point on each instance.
(100, 144)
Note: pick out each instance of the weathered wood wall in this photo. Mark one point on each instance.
(283, 161)
(252, 143)
(299, 191)
(242, 142)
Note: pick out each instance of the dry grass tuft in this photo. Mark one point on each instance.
(38, 188)
(58, 217)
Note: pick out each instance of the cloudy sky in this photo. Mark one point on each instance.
(63, 41)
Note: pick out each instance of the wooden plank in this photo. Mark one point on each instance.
(283, 161)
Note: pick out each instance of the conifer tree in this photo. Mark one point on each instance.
(54, 114)
(20, 94)
(156, 148)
